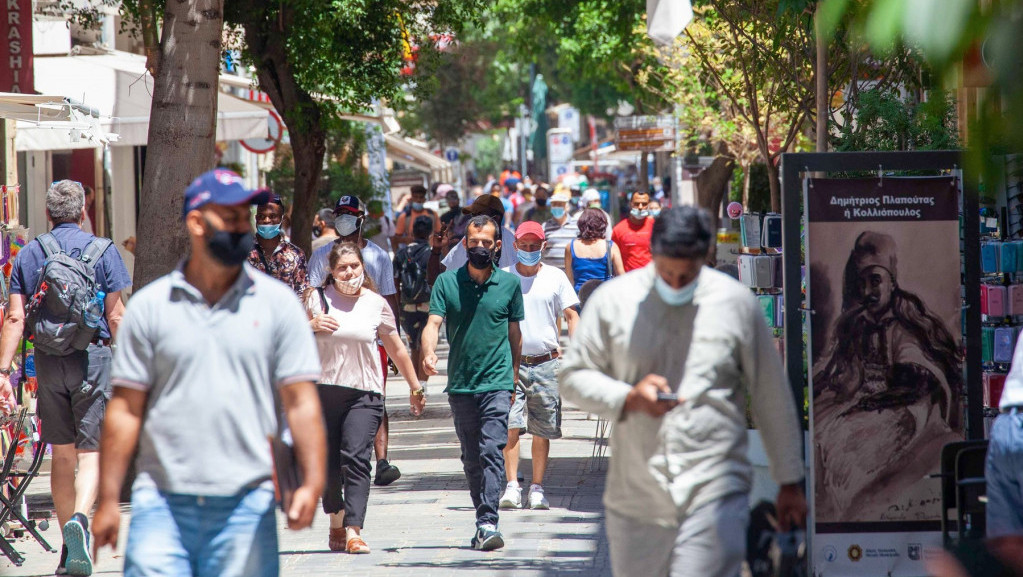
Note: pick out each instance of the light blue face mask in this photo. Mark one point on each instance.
(557, 211)
(528, 258)
(417, 206)
(268, 231)
(675, 296)
(637, 213)
(655, 213)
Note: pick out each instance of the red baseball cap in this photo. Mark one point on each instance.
(529, 227)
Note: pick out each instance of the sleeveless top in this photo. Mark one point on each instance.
(584, 269)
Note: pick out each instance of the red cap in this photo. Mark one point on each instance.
(529, 227)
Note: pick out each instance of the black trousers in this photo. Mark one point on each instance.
(352, 417)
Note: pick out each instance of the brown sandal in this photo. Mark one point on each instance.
(336, 542)
(356, 546)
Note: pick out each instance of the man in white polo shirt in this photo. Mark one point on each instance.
(203, 352)
(546, 294)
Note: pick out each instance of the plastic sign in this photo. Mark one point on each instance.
(734, 210)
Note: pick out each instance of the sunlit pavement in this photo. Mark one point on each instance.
(421, 524)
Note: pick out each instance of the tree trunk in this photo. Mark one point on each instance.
(644, 170)
(775, 184)
(746, 179)
(182, 129)
(711, 186)
(299, 111)
(821, 72)
(309, 148)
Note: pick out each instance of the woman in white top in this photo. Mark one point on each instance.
(348, 317)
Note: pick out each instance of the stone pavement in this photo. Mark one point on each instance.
(421, 524)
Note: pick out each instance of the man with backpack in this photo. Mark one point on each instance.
(72, 353)
(410, 266)
(413, 210)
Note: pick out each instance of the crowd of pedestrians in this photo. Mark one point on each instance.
(665, 351)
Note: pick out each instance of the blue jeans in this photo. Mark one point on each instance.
(1004, 474)
(173, 534)
(481, 423)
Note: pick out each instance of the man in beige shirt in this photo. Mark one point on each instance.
(668, 353)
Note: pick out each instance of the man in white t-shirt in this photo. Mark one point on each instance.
(350, 214)
(546, 294)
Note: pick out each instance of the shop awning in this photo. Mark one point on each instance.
(55, 113)
(401, 150)
(118, 87)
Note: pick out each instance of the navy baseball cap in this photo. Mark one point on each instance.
(220, 186)
(350, 204)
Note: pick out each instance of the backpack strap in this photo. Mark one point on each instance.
(49, 244)
(95, 250)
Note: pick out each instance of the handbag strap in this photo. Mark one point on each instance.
(610, 269)
(323, 300)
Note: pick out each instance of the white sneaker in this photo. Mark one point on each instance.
(537, 499)
(512, 498)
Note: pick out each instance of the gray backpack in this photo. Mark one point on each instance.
(65, 287)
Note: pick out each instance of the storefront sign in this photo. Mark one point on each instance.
(886, 369)
(645, 133)
(16, 53)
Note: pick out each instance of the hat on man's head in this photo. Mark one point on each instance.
(875, 249)
(349, 204)
(220, 186)
(590, 195)
(530, 227)
(561, 193)
(274, 198)
(487, 204)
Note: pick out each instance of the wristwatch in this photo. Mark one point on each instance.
(420, 392)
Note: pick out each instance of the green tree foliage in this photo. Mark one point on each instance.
(889, 121)
(945, 32)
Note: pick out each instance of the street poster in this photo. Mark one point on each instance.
(883, 282)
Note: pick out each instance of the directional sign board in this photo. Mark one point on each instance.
(645, 133)
(451, 154)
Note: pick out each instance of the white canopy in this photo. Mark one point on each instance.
(118, 88)
(401, 150)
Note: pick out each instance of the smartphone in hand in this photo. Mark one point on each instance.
(667, 397)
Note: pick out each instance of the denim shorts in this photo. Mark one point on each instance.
(1004, 474)
(537, 407)
(173, 534)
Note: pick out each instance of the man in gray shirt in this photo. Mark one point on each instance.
(203, 352)
(668, 353)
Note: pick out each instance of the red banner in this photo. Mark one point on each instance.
(16, 47)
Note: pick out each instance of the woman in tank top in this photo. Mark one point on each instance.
(587, 257)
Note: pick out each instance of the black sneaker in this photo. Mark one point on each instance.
(386, 473)
(487, 538)
(76, 539)
(62, 566)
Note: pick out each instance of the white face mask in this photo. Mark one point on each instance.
(675, 296)
(350, 286)
(346, 224)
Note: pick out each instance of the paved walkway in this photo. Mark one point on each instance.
(421, 525)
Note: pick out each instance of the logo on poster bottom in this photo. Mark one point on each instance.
(914, 551)
(855, 553)
(830, 553)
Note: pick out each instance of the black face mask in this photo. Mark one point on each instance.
(541, 202)
(230, 248)
(317, 230)
(480, 257)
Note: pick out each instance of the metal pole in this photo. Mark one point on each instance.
(523, 138)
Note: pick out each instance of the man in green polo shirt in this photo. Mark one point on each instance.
(483, 307)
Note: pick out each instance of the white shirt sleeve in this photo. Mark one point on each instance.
(456, 258)
(317, 265)
(567, 296)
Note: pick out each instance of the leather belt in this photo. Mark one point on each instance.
(539, 359)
